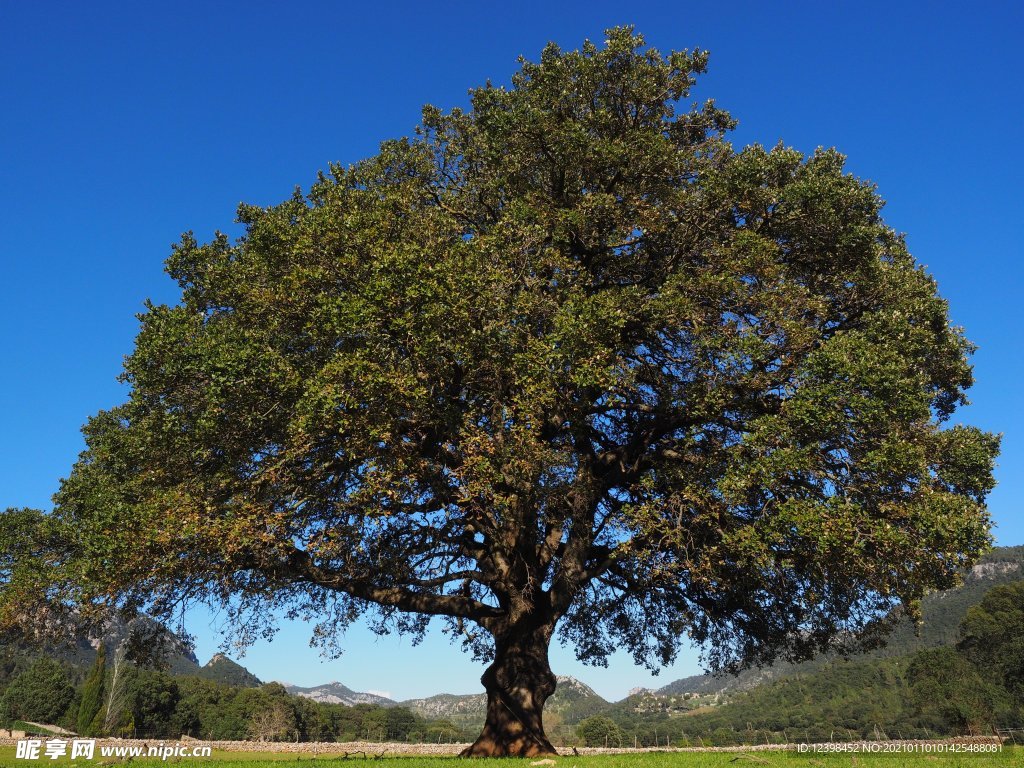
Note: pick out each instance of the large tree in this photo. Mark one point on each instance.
(564, 360)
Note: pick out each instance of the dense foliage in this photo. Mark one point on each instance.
(992, 638)
(600, 731)
(42, 693)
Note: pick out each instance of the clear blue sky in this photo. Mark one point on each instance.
(124, 124)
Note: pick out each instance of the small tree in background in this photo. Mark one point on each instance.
(274, 722)
(564, 362)
(114, 709)
(600, 731)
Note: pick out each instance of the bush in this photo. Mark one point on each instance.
(600, 731)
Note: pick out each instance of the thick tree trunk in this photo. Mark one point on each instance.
(517, 684)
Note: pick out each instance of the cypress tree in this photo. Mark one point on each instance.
(92, 695)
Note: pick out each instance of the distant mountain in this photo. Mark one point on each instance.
(570, 689)
(714, 685)
(941, 614)
(152, 642)
(459, 708)
(145, 639)
(221, 669)
(572, 700)
(168, 651)
(336, 693)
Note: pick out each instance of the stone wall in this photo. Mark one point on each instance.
(360, 749)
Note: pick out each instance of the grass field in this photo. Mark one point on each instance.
(1008, 758)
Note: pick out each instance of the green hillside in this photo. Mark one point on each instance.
(935, 681)
(941, 614)
(221, 669)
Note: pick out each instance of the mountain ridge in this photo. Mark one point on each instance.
(338, 693)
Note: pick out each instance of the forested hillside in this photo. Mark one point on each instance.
(964, 678)
(941, 614)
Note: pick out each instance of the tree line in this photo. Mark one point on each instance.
(121, 699)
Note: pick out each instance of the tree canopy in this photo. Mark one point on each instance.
(563, 359)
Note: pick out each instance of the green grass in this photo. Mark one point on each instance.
(1006, 759)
